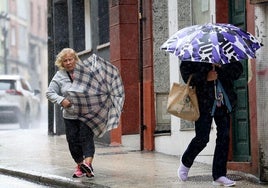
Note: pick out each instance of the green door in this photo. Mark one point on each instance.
(241, 140)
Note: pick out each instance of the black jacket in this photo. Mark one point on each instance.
(227, 73)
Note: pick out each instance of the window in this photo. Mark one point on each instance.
(7, 84)
(13, 37)
(103, 22)
(33, 56)
(88, 26)
(39, 17)
(202, 11)
(22, 9)
(22, 46)
(162, 116)
(31, 13)
(25, 85)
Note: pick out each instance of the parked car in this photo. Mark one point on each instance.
(18, 101)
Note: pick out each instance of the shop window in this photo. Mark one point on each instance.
(162, 116)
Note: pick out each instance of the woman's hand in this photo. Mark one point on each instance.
(66, 103)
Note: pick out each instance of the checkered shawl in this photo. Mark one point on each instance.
(97, 94)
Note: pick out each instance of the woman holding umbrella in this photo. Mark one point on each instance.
(211, 54)
(79, 135)
(204, 78)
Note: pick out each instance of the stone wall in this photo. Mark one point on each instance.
(261, 23)
(161, 32)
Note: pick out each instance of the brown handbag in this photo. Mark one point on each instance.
(182, 101)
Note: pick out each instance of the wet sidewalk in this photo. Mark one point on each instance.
(32, 154)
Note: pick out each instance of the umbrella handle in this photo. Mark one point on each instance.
(215, 90)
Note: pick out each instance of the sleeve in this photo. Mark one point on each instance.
(53, 91)
(230, 71)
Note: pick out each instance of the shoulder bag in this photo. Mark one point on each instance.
(182, 101)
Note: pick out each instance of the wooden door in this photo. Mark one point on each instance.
(241, 122)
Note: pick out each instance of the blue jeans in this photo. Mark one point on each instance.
(199, 142)
(80, 139)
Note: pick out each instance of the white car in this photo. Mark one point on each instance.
(18, 101)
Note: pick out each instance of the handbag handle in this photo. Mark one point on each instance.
(189, 80)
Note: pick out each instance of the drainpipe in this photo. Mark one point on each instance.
(51, 67)
(142, 126)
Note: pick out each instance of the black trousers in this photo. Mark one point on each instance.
(80, 139)
(199, 142)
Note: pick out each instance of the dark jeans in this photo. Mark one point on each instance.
(80, 139)
(199, 142)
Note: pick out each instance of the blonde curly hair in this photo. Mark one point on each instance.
(61, 55)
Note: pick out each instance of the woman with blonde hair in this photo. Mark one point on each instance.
(79, 136)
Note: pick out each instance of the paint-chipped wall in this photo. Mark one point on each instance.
(261, 25)
(160, 33)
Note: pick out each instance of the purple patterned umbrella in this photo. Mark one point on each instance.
(212, 43)
(97, 94)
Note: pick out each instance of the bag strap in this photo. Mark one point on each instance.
(189, 80)
(70, 76)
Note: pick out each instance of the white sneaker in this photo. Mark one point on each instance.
(183, 172)
(224, 181)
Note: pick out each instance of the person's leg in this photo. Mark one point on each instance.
(198, 143)
(222, 120)
(219, 169)
(72, 136)
(88, 147)
(87, 140)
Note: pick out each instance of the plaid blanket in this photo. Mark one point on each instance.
(97, 94)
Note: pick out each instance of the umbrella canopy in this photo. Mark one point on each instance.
(97, 94)
(212, 43)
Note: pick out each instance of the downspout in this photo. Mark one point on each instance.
(51, 67)
(142, 126)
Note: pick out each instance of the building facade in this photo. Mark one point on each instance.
(25, 41)
(136, 31)
(4, 20)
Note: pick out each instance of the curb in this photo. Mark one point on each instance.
(46, 179)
